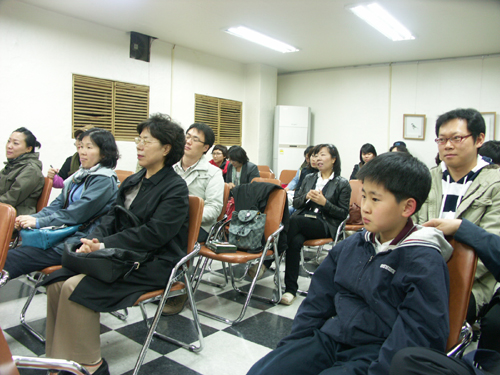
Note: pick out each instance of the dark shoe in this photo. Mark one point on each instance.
(103, 369)
(174, 305)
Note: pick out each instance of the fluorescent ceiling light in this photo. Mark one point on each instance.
(264, 40)
(380, 19)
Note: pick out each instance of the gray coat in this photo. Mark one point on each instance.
(21, 183)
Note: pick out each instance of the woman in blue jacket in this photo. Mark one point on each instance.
(86, 196)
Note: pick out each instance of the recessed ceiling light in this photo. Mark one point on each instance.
(380, 19)
(264, 40)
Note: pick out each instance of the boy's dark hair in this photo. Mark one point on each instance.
(29, 138)
(238, 154)
(107, 146)
(491, 149)
(400, 173)
(222, 149)
(334, 152)
(475, 120)
(366, 149)
(167, 132)
(207, 132)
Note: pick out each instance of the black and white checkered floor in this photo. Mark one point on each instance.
(228, 350)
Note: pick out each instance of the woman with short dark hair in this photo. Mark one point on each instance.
(86, 196)
(158, 197)
(21, 181)
(241, 170)
(366, 153)
(219, 158)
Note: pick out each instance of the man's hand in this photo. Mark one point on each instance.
(448, 226)
(89, 246)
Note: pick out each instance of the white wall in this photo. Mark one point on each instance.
(41, 50)
(353, 106)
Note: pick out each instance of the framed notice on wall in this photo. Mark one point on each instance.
(490, 122)
(414, 127)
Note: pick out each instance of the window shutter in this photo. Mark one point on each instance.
(222, 115)
(115, 106)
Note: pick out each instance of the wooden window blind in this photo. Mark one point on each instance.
(115, 106)
(222, 115)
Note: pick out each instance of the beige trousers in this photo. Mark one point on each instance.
(73, 330)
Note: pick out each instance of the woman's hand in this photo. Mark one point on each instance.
(316, 197)
(52, 172)
(25, 221)
(89, 246)
(231, 185)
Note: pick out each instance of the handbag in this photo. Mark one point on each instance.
(355, 215)
(108, 264)
(247, 229)
(45, 238)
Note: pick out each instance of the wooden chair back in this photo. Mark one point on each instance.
(462, 268)
(287, 175)
(264, 168)
(265, 174)
(8, 217)
(43, 201)
(122, 174)
(224, 201)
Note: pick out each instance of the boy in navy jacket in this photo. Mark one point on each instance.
(379, 291)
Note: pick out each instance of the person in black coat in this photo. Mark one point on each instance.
(322, 203)
(240, 171)
(158, 197)
(366, 153)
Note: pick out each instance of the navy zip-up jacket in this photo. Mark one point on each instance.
(396, 298)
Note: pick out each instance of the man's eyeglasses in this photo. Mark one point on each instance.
(193, 138)
(145, 142)
(216, 153)
(454, 140)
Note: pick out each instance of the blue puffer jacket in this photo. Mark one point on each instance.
(396, 298)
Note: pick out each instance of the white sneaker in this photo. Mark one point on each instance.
(287, 299)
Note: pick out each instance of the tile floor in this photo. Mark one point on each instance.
(228, 350)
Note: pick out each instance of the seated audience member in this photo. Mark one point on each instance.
(322, 203)
(491, 149)
(311, 168)
(158, 196)
(399, 146)
(465, 186)
(378, 291)
(86, 196)
(219, 158)
(305, 164)
(21, 180)
(203, 180)
(70, 166)
(366, 154)
(240, 171)
(424, 361)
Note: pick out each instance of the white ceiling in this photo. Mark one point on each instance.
(327, 34)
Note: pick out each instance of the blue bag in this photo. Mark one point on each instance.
(45, 238)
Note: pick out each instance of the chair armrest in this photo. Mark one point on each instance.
(49, 364)
(4, 276)
(465, 339)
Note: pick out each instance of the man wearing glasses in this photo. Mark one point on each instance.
(466, 186)
(203, 180)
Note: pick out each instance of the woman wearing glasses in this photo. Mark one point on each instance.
(240, 171)
(87, 195)
(219, 158)
(158, 197)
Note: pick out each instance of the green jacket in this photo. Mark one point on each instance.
(481, 206)
(21, 183)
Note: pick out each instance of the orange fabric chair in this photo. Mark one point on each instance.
(287, 175)
(264, 168)
(122, 175)
(8, 215)
(269, 180)
(274, 214)
(43, 201)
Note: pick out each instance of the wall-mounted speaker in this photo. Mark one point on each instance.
(140, 46)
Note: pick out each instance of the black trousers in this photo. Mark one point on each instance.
(425, 361)
(301, 229)
(490, 322)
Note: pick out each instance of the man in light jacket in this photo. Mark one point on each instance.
(203, 180)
